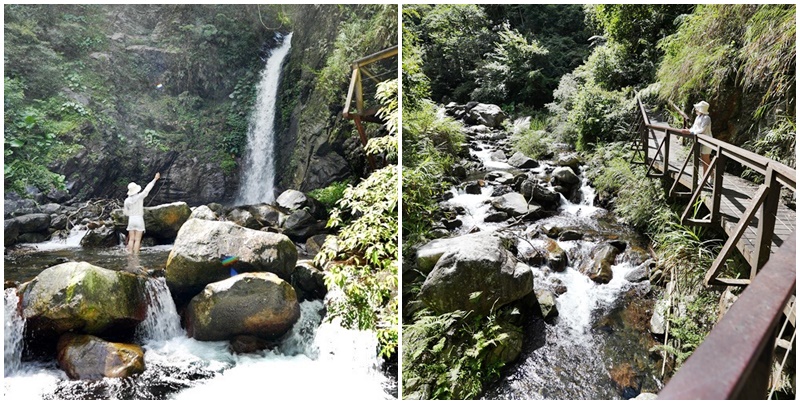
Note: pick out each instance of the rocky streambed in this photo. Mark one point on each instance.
(522, 233)
(233, 297)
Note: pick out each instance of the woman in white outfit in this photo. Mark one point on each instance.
(134, 209)
(702, 126)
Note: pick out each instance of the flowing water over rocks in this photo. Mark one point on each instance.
(339, 363)
(598, 345)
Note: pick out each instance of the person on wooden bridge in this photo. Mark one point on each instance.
(702, 126)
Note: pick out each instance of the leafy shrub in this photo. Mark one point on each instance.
(331, 194)
(451, 356)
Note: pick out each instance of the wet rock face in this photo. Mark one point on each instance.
(86, 357)
(476, 273)
(80, 297)
(101, 237)
(201, 246)
(257, 304)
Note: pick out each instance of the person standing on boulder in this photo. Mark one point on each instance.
(702, 126)
(134, 209)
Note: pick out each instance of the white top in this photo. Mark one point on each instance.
(134, 204)
(701, 126)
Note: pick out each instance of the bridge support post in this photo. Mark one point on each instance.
(766, 222)
(718, 176)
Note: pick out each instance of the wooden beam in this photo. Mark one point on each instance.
(386, 53)
(680, 173)
(652, 163)
(716, 194)
(698, 191)
(766, 223)
(730, 244)
(349, 99)
(359, 93)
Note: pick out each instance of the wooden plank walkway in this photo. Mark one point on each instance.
(736, 196)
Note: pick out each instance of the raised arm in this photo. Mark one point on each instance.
(150, 185)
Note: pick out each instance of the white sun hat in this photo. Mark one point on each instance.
(133, 189)
(701, 107)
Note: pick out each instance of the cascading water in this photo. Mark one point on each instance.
(14, 327)
(258, 179)
(585, 352)
(161, 321)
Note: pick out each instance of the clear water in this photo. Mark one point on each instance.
(258, 178)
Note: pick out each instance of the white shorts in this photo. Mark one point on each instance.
(136, 223)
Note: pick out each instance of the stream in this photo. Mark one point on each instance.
(341, 362)
(598, 345)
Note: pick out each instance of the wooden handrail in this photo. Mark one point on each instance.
(386, 53)
(734, 360)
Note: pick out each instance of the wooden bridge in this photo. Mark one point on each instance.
(736, 358)
(366, 66)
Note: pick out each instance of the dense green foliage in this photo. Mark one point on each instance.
(452, 355)
(92, 77)
(363, 264)
(512, 55)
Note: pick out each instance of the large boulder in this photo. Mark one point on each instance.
(101, 237)
(514, 204)
(308, 281)
(86, 357)
(256, 304)
(203, 212)
(81, 297)
(478, 273)
(429, 254)
(33, 223)
(244, 218)
(267, 215)
(161, 222)
(10, 231)
(565, 176)
(520, 160)
(485, 114)
(534, 192)
(301, 225)
(295, 200)
(201, 246)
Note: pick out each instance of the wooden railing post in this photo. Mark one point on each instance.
(766, 222)
(665, 174)
(359, 93)
(696, 163)
(719, 174)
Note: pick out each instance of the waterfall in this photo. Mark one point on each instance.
(258, 180)
(15, 325)
(161, 321)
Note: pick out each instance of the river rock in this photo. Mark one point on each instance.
(429, 254)
(502, 177)
(85, 357)
(494, 216)
(162, 222)
(571, 160)
(556, 256)
(268, 215)
(498, 155)
(300, 225)
(314, 244)
(308, 281)
(646, 396)
(295, 200)
(603, 257)
(257, 304)
(201, 245)
(473, 188)
(244, 218)
(565, 176)
(81, 297)
(244, 344)
(520, 160)
(203, 212)
(33, 223)
(532, 191)
(658, 323)
(547, 303)
(50, 208)
(10, 231)
(476, 272)
(58, 222)
(14, 205)
(101, 237)
(459, 171)
(485, 114)
(32, 238)
(515, 205)
(640, 273)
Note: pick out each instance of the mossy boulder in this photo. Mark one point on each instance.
(86, 357)
(256, 304)
(201, 247)
(81, 297)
